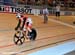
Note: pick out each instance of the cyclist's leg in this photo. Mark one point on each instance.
(18, 25)
(29, 29)
(25, 32)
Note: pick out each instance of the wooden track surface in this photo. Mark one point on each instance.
(50, 33)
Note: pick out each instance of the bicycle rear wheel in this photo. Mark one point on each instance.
(33, 34)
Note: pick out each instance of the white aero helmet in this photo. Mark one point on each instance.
(18, 15)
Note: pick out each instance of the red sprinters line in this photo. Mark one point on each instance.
(38, 39)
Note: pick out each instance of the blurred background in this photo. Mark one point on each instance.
(68, 6)
(50, 3)
(65, 4)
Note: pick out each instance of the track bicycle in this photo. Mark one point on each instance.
(19, 36)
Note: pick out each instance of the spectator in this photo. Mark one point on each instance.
(57, 11)
(45, 13)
